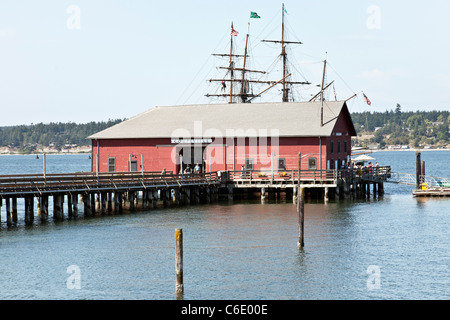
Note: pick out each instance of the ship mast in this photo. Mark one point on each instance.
(231, 64)
(243, 83)
(283, 43)
(322, 90)
(243, 94)
(323, 87)
(283, 54)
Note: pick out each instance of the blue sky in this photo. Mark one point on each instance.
(96, 60)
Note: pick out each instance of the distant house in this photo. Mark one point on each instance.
(261, 136)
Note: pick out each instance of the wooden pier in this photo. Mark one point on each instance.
(100, 193)
(320, 183)
(108, 193)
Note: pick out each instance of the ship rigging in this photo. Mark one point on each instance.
(235, 86)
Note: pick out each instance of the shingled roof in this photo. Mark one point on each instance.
(289, 118)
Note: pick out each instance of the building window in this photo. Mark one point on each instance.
(249, 164)
(331, 163)
(111, 164)
(338, 147)
(281, 164)
(345, 146)
(312, 163)
(133, 165)
(331, 146)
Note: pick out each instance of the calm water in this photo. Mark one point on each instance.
(245, 250)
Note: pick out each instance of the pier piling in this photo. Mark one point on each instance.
(14, 209)
(179, 288)
(418, 170)
(301, 216)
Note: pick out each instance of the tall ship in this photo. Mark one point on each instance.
(240, 83)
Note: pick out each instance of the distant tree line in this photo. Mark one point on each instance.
(57, 135)
(392, 127)
(395, 127)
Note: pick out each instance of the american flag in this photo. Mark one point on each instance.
(367, 99)
(234, 32)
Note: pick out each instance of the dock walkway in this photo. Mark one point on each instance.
(100, 193)
(337, 182)
(105, 193)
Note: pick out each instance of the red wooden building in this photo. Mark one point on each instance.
(261, 136)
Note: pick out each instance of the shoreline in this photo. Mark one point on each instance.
(90, 151)
(405, 150)
(74, 150)
(46, 153)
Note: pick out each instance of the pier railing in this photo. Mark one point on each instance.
(283, 177)
(367, 174)
(16, 185)
(330, 176)
(411, 180)
(91, 181)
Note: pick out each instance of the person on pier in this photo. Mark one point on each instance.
(197, 169)
(242, 171)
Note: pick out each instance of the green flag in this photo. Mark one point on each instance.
(254, 15)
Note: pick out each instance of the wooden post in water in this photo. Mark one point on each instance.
(28, 209)
(380, 188)
(14, 209)
(109, 202)
(418, 171)
(423, 172)
(120, 201)
(131, 198)
(151, 199)
(301, 216)
(92, 200)
(299, 167)
(103, 201)
(300, 206)
(197, 196)
(208, 195)
(74, 204)
(8, 211)
(179, 289)
(87, 204)
(44, 208)
(69, 206)
(165, 194)
(57, 212)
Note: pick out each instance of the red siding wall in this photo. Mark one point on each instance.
(155, 153)
(160, 153)
(341, 139)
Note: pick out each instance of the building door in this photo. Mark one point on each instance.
(190, 156)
